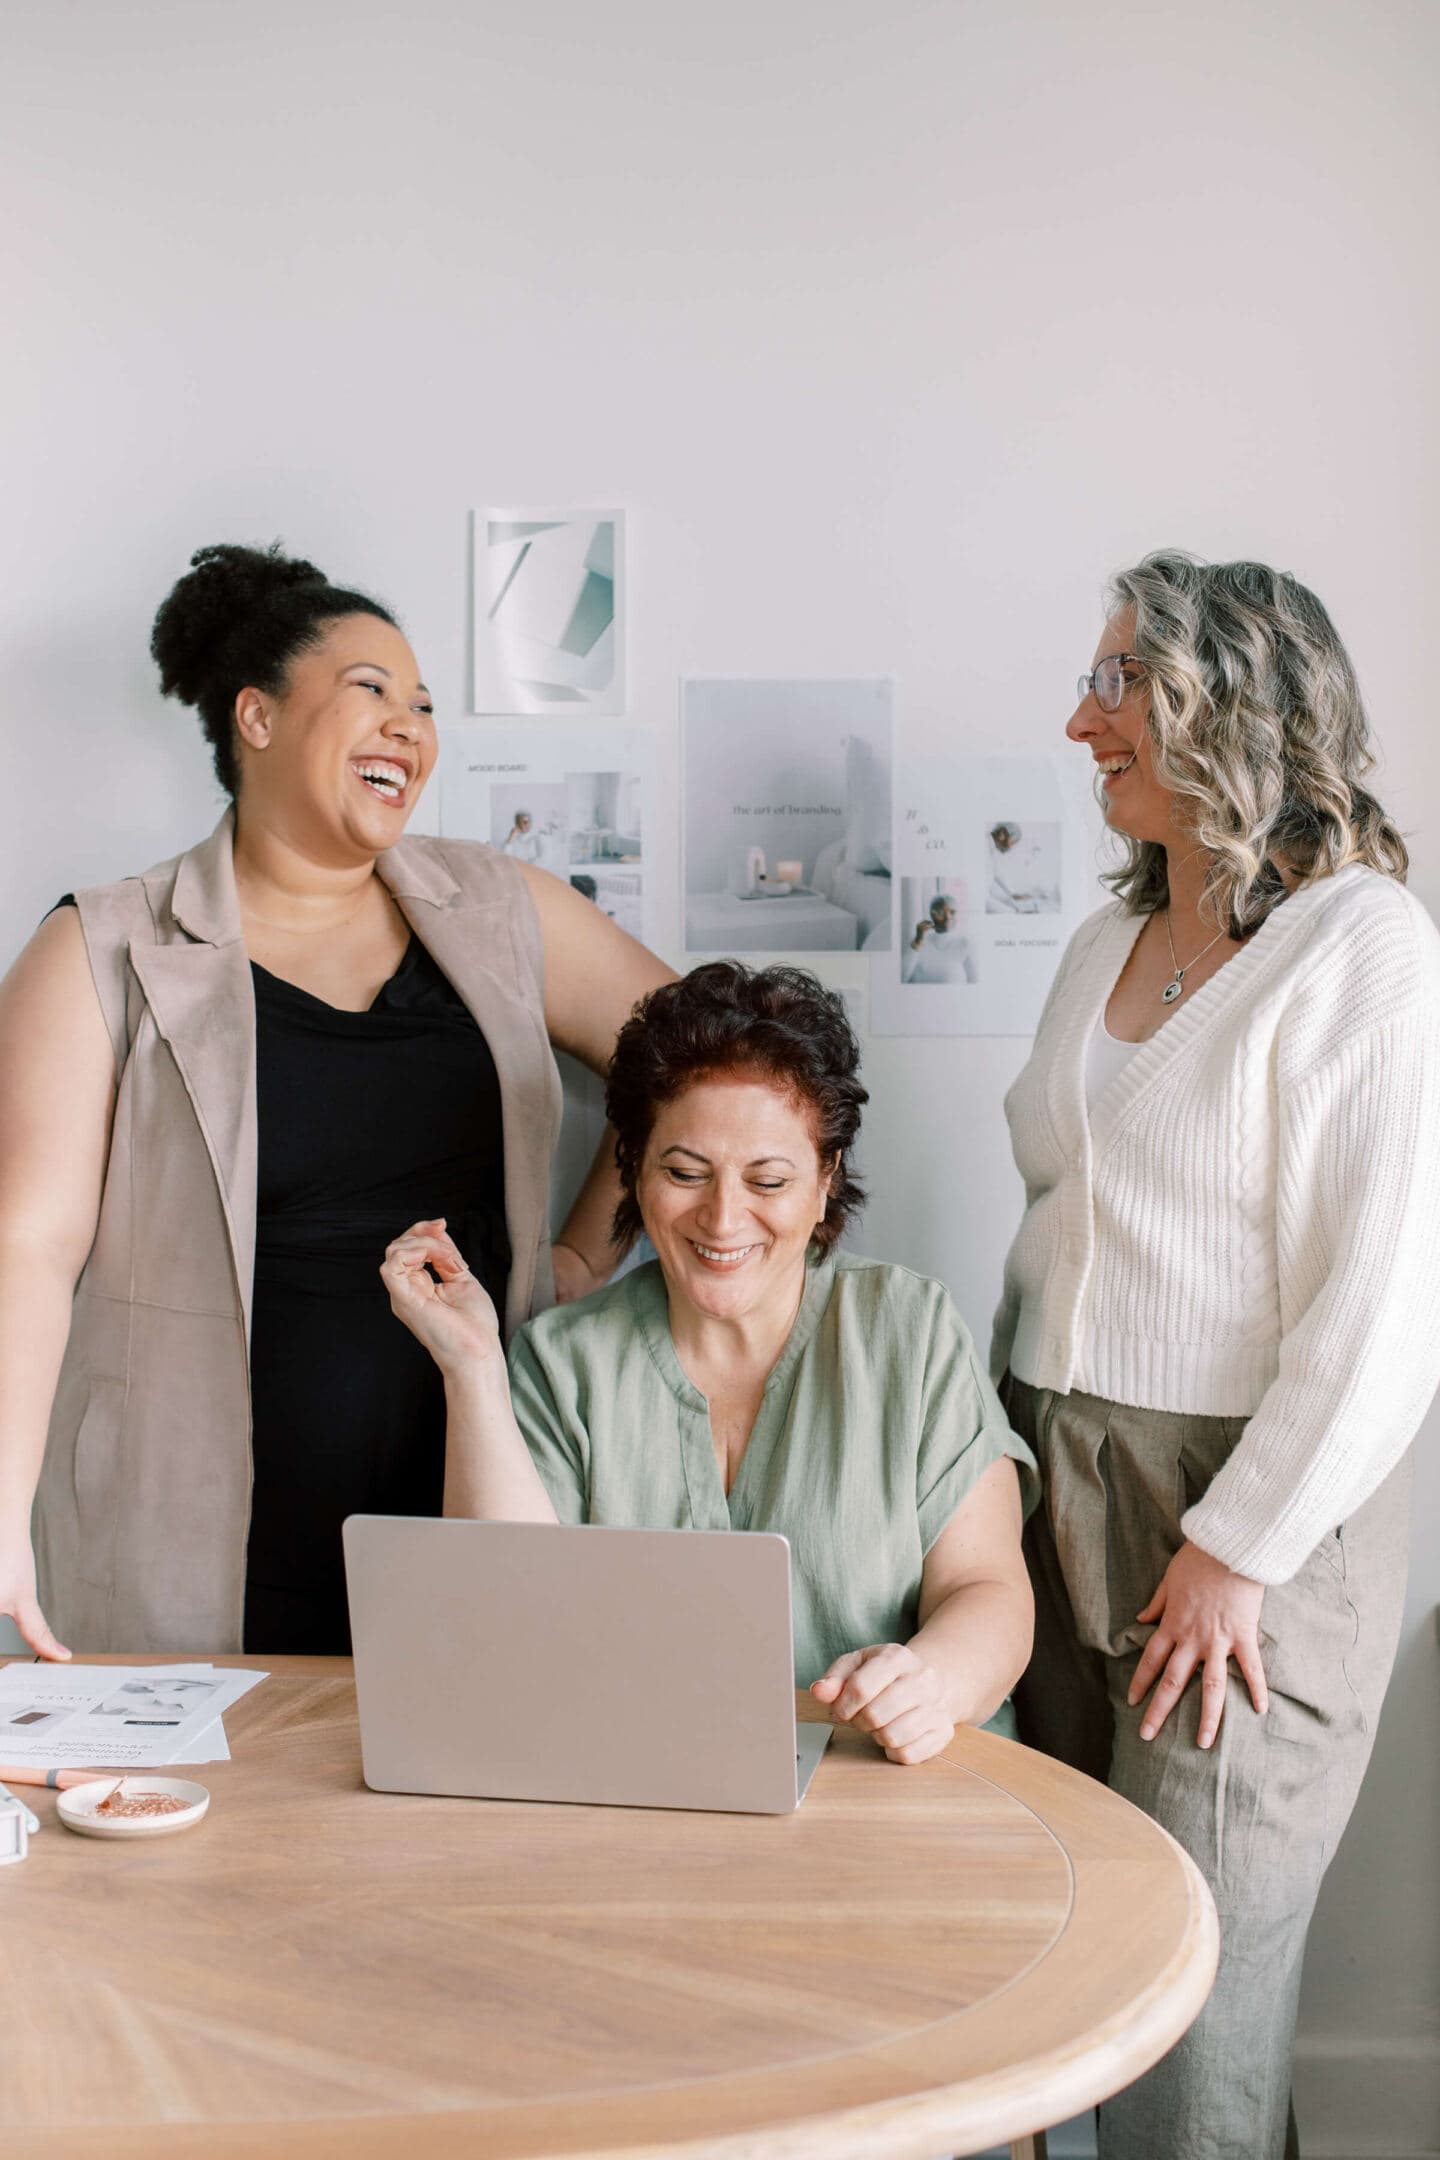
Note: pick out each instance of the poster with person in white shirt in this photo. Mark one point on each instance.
(938, 949)
(1024, 864)
(993, 867)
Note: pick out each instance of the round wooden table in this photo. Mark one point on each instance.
(919, 1961)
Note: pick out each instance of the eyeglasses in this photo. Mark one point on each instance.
(1107, 680)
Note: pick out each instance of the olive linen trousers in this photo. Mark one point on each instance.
(1262, 1810)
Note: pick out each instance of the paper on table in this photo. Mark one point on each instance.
(210, 1745)
(116, 1716)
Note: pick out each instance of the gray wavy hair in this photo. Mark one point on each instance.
(1256, 723)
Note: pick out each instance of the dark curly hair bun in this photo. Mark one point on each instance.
(222, 586)
(239, 617)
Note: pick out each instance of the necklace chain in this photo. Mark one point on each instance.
(265, 922)
(303, 929)
(1173, 990)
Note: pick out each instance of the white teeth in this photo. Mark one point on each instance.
(707, 1252)
(390, 779)
(1115, 764)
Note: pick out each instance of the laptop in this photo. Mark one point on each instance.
(538, 1661)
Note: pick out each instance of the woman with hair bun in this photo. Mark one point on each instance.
(752, 1376)
(220, 1084)
(1221, 1320)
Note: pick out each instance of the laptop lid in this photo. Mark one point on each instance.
(535, 1661)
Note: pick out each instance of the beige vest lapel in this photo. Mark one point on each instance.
(202, 999)
(203, 1004)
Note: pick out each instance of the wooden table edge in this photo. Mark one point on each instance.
(997, 2104)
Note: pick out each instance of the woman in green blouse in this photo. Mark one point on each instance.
(752, 1378)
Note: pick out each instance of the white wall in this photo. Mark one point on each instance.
(893, 327)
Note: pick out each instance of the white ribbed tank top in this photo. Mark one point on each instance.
(1105, 1059)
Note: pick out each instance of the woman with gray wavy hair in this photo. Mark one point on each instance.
(1221, 1319)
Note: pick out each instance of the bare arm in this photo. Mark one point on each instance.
(595, 975)
(57, 1098)
(489, 1476)
(973, 1642)
(583, 1253)
(977, 1612)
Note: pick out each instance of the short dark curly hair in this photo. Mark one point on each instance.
(238, 617)
(724, 1018)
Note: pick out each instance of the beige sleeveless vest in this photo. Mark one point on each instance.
(143, 1508)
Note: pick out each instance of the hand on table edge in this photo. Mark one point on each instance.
(891, 1693)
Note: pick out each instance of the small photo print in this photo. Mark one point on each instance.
(31, 1716)
(584, 828)
(603, 817)
(1023, 860)
(569, 800)
(991, 860)
(549, 612)
(527, 822)
(604, 833)
(935, 941)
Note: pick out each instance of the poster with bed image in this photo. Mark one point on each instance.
(990, 880)
(787, 814)
(577, 801)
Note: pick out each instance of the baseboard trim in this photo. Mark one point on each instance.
(1367, 2100)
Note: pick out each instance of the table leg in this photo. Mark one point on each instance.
(1028, 2148)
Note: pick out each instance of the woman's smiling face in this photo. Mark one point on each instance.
(338, 762)
(731, 1189)
(1119, 742)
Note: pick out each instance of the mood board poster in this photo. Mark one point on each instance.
(992, 873)
(578, 801)
(549, 612)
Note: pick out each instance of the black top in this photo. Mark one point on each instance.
(368, 1122)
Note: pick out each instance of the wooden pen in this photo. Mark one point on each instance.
(32, 1774)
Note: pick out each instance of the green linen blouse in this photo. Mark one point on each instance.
(877, 1419)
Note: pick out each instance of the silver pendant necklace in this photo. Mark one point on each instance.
(1172, 990)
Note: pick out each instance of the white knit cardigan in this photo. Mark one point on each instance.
(1247, 1222)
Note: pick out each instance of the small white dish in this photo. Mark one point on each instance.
(78, 1804)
